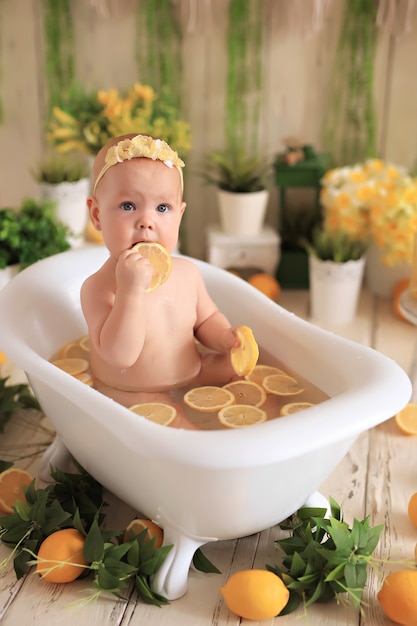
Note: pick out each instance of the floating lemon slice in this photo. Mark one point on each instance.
(240, 415)
(12, 482)
(137, 526)
(160, 260)
(244, 358)
(208, 399)
(85, 378)
(73, 366)
(260, 372)
(282, 385)
(158, 412)
(84, 343)
(247, 392)
(406, 419)
(294, 407)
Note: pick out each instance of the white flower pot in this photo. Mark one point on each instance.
(334, 290)
(242, 214)
(71, 200)
(381, 279)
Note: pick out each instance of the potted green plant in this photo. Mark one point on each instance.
(336, 268)
(28, 234)
(242, 187)
(65, 180)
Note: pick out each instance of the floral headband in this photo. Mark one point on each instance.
(140, 146)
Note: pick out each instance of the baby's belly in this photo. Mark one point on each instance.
(167, 374)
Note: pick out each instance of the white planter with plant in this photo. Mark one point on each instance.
(66, 181)
(27, 234)
(241, 188)
(336, 268)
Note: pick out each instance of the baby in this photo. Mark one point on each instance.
(144, 342)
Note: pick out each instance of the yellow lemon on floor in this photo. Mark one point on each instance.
(255, 594)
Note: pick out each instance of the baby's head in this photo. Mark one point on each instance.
(132, 146)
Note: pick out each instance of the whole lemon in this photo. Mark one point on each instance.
(61, 556)
(412, 509)
(255, 594)
(398, 597)
(267, 284)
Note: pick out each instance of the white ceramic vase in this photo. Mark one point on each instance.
(242, 214)
(71, 201)
(334, 290)
(381, 279)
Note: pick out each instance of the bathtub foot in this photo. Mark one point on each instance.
(171, 580)
(56, 456)
(317, 500)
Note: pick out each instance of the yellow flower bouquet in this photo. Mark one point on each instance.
(85, 122)
(376, 202)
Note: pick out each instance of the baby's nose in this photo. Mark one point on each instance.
(145, 220)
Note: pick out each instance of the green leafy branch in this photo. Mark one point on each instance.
(325, 557)
(14, 397)
(76, 501)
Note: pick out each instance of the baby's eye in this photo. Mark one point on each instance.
(162, 208)
(127, 206)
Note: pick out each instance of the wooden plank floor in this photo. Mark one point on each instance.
(375, 478)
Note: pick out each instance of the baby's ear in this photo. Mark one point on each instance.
(94, 211)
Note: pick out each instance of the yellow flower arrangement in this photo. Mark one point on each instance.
(85, 122)
(373, 201)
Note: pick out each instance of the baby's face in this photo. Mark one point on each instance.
(138, 200)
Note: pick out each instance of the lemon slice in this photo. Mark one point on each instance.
(160, 260)
(158, 412)
(260, 372)
(244, 358)
(208, 399)
(294, 407)
(84, 343)
(137, 526)
(240, 415)
(406, 419)
(12, 482)
(247, 392)
(85, 378)
(73, 366)
(282, 385)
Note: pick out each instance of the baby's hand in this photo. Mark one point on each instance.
(229, 339)
(133, 271)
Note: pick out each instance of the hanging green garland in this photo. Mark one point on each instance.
(59, 48)
(350, 126)
(244, 77)
(158, 48)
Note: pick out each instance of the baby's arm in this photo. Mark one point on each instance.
(213, 329)
(115, 314)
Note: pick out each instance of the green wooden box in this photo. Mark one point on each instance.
(307, 173)
(293, 272)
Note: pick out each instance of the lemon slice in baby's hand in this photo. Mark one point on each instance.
(160, 260)
(245, 357)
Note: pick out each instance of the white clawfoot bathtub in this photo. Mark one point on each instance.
(200, 486)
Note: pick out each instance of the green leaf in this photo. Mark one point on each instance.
(107, 581)
(94, 544)
(133, 554)
(202, 563)
(146, 594)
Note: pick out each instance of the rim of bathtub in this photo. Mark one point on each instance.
(377, 387)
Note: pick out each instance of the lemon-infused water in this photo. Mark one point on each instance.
(270, 391)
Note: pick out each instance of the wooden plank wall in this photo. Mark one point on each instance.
(297, 73)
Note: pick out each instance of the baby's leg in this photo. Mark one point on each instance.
(216, 369)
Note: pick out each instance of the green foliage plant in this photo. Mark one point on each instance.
(59, 168)
(324, 557)
(77, 501)
(232, 170)
(350, 125)
(334, 246)
(59, 48)
(14, 397)
(30, 233)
